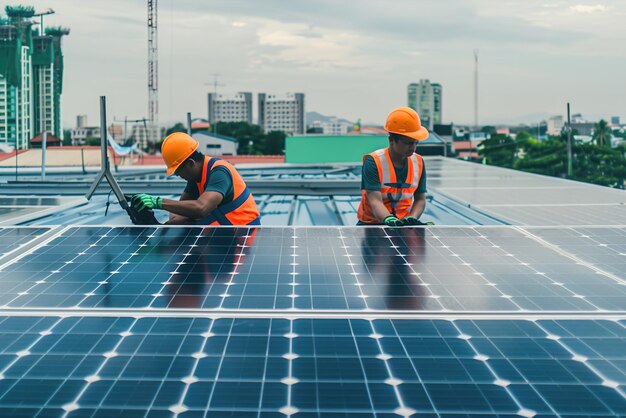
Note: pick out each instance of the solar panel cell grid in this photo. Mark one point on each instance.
(14, 238)
(361, 269)
(76, 365)
(146, 362)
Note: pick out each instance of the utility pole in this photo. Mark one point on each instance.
(153, 72)
(215, 85)
(569, 144)
(42, 113)
(476, 88)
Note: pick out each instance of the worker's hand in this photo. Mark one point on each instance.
(411, 221)
(392, 221)
(145, 201)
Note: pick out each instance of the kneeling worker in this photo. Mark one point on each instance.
(393, 182)
(215, 193)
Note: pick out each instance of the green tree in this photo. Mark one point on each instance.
(602, 133)
(275, 143)
(67, 137)
(599, 165)
(178, 127)
(498, 150)
(250, 137)
(548, 157)
(489, 130)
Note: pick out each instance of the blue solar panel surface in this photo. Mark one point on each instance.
(13, 238)
(434, 269)
(245, 367)
(310, 322)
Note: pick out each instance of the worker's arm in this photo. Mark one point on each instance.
(178, 219)
(375, 199)
(194, 209)
(419, 204)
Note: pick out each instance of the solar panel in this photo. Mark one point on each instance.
(304, 322)
(367, 269)
(526, 199)
(12, 239)
(124, 366)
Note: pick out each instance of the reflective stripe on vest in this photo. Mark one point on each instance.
(397, 195)
(242, 210)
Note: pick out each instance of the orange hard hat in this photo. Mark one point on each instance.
(176, 148)
(405, 121)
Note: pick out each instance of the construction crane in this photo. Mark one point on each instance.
(153, 73)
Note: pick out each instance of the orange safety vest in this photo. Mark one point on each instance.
(241, 210)
(397, 195)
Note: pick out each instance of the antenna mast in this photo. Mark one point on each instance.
(153, 73)
(476, 88)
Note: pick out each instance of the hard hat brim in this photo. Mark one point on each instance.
(419, 135)
(171, 170)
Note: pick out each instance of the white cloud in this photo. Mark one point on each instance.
(239, 24)
(307, 47)
(588, 8)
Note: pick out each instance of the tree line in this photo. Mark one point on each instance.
(594, 162)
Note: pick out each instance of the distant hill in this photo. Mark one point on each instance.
(315, 116)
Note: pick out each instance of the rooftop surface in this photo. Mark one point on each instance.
(514, 304)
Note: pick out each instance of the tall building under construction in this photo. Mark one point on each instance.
(31, 78)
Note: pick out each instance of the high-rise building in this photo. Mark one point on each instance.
(555, 125)
(81, 121)
(234, 108)
(426, 99)
(31, 74)
(282, 113)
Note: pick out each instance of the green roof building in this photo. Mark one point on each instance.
(322, 149)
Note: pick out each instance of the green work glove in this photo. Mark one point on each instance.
(392, 221)
(145, 201)
(410, 221)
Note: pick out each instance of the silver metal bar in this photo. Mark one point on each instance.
(318, 314)
(44, 137)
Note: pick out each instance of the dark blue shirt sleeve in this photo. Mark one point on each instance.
(192, 189)
(369, 175)
(421, 186)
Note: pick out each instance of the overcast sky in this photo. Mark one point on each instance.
(352, 59)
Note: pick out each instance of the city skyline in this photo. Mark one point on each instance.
(350, 62)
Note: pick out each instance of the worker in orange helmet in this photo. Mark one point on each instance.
(393, 182)
(215, 193)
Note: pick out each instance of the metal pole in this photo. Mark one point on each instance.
(44, 137)
(189, 123)
(476, 89)
(82, 158)
(103, 133)
(16, 160)
(569, 144)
